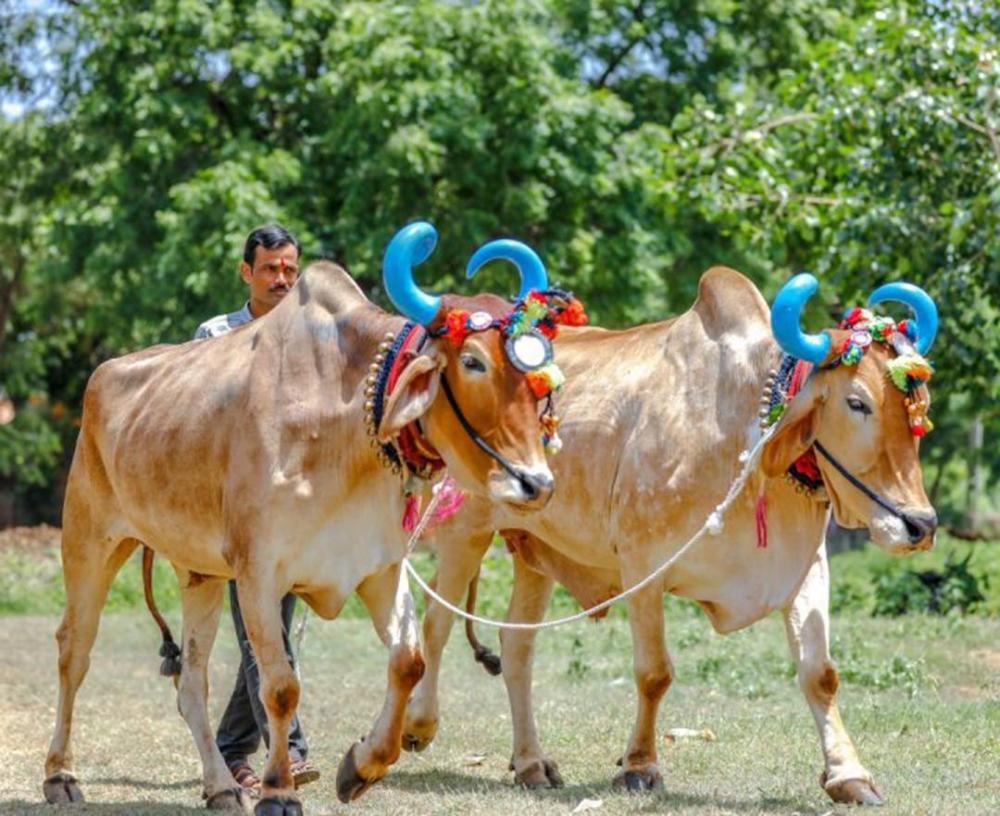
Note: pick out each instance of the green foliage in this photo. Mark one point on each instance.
(875, 159)
(577, 668)
(954, 588)
(31, 582)
(632, 144)
(953, 578)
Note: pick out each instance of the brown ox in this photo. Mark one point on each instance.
(246, 457)
(655, 420)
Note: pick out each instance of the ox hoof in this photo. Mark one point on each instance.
(539, 773)
(853, 792)
(638, 780)
(278, 806)
(410, 742)
(419, 730)
(232, 800)
(350, 783)
(61, 789)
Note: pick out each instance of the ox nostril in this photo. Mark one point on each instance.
(535, 484)
(920, 526)
(528, 486)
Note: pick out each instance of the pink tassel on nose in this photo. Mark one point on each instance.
(762, 522)
(452, 499)
(411, 513)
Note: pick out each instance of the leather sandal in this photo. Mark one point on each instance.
(245, 776)
(303, 772)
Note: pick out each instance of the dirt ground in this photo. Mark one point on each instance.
(920, 696)
(29, 539)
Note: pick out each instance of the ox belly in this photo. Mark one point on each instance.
(360, 540)
(735, 581)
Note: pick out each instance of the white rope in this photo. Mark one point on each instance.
(713, 525)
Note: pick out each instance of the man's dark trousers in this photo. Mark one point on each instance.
(245, 721)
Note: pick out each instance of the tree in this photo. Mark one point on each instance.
(878, 160)
(174, 129)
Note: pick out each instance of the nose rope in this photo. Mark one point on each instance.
(521, 477)
(712, 525)
(885, 504)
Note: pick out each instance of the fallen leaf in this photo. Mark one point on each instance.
(588, 804)
(675, 734)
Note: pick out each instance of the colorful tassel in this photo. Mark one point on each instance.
(761, 515)
(411, 512)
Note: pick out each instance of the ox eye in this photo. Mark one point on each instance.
(857, 405)
(470, 363)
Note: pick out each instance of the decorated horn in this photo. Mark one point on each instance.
(533, 275)
(786, 314)
(924, 310)
(412, 245)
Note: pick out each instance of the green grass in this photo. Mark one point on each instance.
(31, 581)
(920, 696)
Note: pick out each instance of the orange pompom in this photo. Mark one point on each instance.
(538, 383)
(457, 326)
(573, 314)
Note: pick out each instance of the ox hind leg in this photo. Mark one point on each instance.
(91, 560)
(390, 604)
(807, 624)
(458, 561)
(201, 601)
(653, 672)
(529, 600)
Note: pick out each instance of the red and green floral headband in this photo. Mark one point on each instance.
(528, 330)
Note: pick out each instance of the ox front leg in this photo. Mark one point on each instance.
(387, 596)
(528, 602)
(260, 604)
(807, 624)
(458, 560)
(202, 602)
(653, 674)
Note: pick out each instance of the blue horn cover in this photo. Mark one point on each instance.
(924, 310)
(533, 275)
(786, 315)
(411, 246)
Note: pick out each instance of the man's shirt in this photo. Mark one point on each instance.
(224, 323)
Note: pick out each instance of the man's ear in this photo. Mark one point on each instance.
(795, 431)
(412, 395)
(245, 271)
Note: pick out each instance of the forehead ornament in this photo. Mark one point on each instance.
(480, 321)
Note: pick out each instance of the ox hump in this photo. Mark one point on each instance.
(331, 286)
(729, 303)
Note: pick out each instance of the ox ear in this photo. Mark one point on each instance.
(413, 394)
(795, 431)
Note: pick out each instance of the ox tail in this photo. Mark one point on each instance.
(490, 660)
(169, 651)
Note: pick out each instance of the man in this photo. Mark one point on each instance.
(270, 268)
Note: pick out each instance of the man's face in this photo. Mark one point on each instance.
(272, 275)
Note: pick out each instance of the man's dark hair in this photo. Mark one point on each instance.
(269, 236)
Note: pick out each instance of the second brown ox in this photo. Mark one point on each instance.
(656, 418)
